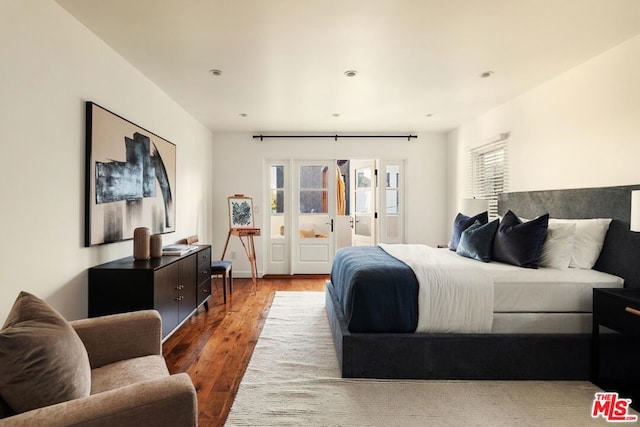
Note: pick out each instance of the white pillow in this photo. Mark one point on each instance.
(588, 241)
(558, 246)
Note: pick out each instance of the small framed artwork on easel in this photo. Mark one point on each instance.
(240, 212)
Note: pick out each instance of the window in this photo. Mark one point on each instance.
(277, 193)
(277, 189)
(313, 189)
(391, 192)
(488, 167)
(392, 201)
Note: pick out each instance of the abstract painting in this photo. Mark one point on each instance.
(240, 211)
(130, 179)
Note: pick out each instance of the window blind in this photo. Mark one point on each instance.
(489, 172)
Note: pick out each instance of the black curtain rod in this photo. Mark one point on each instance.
(335, 137)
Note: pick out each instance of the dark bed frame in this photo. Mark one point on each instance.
(499, 356)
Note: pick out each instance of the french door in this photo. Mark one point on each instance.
(363, 200)
(309, 218)
(314, 212)
(391, 209)
(277, 234)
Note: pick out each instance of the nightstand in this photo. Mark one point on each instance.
(614, 362)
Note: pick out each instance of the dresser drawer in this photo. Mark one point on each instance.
(204, 292)
(204, 265)
(617, 312)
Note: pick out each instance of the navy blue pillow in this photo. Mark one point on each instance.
(520, 243)
(461, 223)
(477, 241)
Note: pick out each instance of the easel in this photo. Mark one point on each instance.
(241, 225)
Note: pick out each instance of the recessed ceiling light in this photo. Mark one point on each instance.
(243, 114)
(486, 74)
(350, 73)
(429, 115)
(336, 114)
(215, 72)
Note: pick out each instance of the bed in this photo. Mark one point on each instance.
(389, 347)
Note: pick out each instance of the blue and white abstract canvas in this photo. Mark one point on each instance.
(131, 179)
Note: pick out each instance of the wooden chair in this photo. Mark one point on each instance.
(225, 270)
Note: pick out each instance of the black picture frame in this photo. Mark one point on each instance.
(130, 179)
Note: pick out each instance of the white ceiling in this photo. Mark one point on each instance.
(283, 61)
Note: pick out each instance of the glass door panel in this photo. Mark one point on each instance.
(391, 201)
(363, 202)
(277, 237)
(277, 201)
(315, 211)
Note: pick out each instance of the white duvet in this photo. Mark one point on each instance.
(453, 295)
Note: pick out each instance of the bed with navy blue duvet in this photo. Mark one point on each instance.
(407, 288)
(506, 303)
(377, 292)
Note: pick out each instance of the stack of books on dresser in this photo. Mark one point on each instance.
(177, 250)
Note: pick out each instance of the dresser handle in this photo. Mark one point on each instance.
(632, 311)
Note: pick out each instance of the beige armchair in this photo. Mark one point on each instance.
(130, 383)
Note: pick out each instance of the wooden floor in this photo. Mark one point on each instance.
(214, 347)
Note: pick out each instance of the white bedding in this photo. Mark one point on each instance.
(542, 290)
(471, 296)
(453, 295)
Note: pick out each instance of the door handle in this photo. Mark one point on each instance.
(351, 222)
(330, 224)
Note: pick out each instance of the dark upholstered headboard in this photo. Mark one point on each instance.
(621, 252)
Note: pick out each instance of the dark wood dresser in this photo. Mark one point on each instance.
(174, 285)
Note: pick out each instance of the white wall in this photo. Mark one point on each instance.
(239, 162)
(50, 64)
(580, 129)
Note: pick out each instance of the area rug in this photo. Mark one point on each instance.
(293, 379)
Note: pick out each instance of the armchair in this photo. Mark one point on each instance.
(130, 382)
